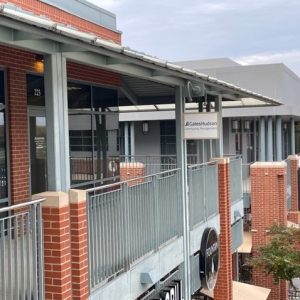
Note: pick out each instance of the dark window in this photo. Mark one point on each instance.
(79, 96)
(3, 150)
(35, 90)
(93, 132)
(104, 99)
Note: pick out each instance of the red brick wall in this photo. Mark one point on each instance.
(223, 289)
(79, 251)
(130, 171)
(85, 73)
(294, 182)
(17, 64)
(57, 253)
(62, 17)
(268, 203)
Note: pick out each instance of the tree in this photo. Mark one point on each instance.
(281, 257)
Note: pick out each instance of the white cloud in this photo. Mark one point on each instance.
(290, 58)
(270, 57)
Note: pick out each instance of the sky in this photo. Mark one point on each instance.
(248, 31)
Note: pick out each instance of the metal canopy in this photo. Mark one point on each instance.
(141, 73)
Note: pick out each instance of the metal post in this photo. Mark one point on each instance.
(219, 142)
(56, 98)
(126, 141)
(270, 139)
(182, 164)
(292, 133)
(278, 139)
(132, 141)
(262, 139)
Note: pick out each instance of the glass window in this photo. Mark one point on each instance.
(93, 132)
(79, 96)
(35, 90)
(3, 151)
(104, 99)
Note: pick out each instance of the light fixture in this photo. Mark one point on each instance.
(247, 125)
(145, 127)
(39, 63)
(235, 125)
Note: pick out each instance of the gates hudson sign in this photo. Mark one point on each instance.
(198, 126)
(209, 258)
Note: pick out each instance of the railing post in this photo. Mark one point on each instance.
(127, 233)
(157, 223)
(40, 243)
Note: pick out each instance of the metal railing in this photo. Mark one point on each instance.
(235, 167)
(130, 219)
(21, 252)
(203, 192)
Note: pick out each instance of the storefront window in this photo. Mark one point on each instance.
(93, 132)
(3, 151)
(168, 141)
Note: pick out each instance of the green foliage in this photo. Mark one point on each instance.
(281, 257)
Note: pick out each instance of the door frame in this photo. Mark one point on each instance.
(33, 111)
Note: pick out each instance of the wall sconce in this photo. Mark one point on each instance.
(247, 125)
(145, 127)
(39, 63)
(235, 125)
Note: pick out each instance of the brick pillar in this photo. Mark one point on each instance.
(57, 250)
(18, 133)
(269, 206)
(223, 289)
(79, 245)
(294, 182)
(131, 170)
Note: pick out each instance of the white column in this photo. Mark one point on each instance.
(219, 143)
(262, 139)
(126, 141)
(292, 134)
(56, 98)
(270, 139)
(132, 141)
(278, 139)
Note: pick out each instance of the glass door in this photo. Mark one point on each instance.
(38, 150)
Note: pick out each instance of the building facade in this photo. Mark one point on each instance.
(112, 228)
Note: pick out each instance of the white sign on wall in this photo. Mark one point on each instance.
(198, 126)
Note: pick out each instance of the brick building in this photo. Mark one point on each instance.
(64, 81)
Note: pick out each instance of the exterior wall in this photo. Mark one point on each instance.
(17, 64)
(147, 144)
(92, 75)
(60, 16)
(269, 206)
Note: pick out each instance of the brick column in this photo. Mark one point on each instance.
(57, 250)
(79, 245)
(131, 170)
(18, 133)
(269, 206)
(223, 289)
(294, 182)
